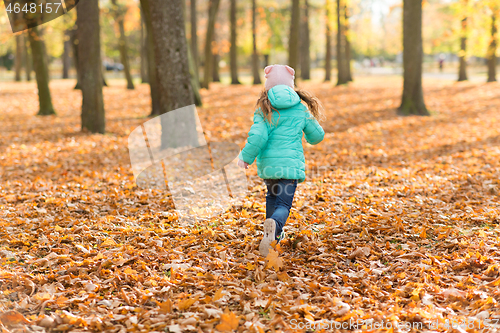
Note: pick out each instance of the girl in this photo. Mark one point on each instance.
(275, 139)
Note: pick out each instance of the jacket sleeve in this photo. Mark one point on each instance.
(313, 131)
(257, 139)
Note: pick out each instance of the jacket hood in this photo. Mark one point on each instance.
(283, 97)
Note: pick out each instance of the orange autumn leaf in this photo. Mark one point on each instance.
(165, 307)
(130, 271)
(13, 318)
(218, 295)
(228, 322)
(283, 276)
(186, 303)
(495, 283)
(274, 260)
(108, 242)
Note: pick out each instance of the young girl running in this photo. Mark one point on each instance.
(275, 139)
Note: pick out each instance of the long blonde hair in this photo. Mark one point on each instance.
(313, 104)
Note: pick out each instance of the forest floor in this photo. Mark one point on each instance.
(397, 224)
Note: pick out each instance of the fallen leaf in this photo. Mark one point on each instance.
(13, 318)
(360, 252)
(228, 322)
(274, 260)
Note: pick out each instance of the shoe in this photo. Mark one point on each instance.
(281, 236)
(269, 237)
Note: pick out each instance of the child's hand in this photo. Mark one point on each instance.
(242, 164)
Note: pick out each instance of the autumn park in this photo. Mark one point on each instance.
(148, 149)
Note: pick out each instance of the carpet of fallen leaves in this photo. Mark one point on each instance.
(398, 221)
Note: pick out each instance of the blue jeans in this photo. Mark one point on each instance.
(279, 200)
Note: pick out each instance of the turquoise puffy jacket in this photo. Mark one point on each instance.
(278, 147)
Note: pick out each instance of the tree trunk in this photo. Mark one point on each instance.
(41, 71)
(194, 39)
(341, 42)
(90, 64)
(153, 80)
(413, 96)
(27, 60)
(462, 71)
(234, 48)
(66, 59)
(266, 60)
(328, 56)
(122, 43)
(347, 43)
(293, 46)
(74, 44)
(212, 15)
(305, 57)
(492, 50)
(171, 54)
(18, 65)
(144, 50)
(216, 60)
(255, 55)
(103, 69)
(195, 81)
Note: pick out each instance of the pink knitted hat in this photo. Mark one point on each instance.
(279, 74)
